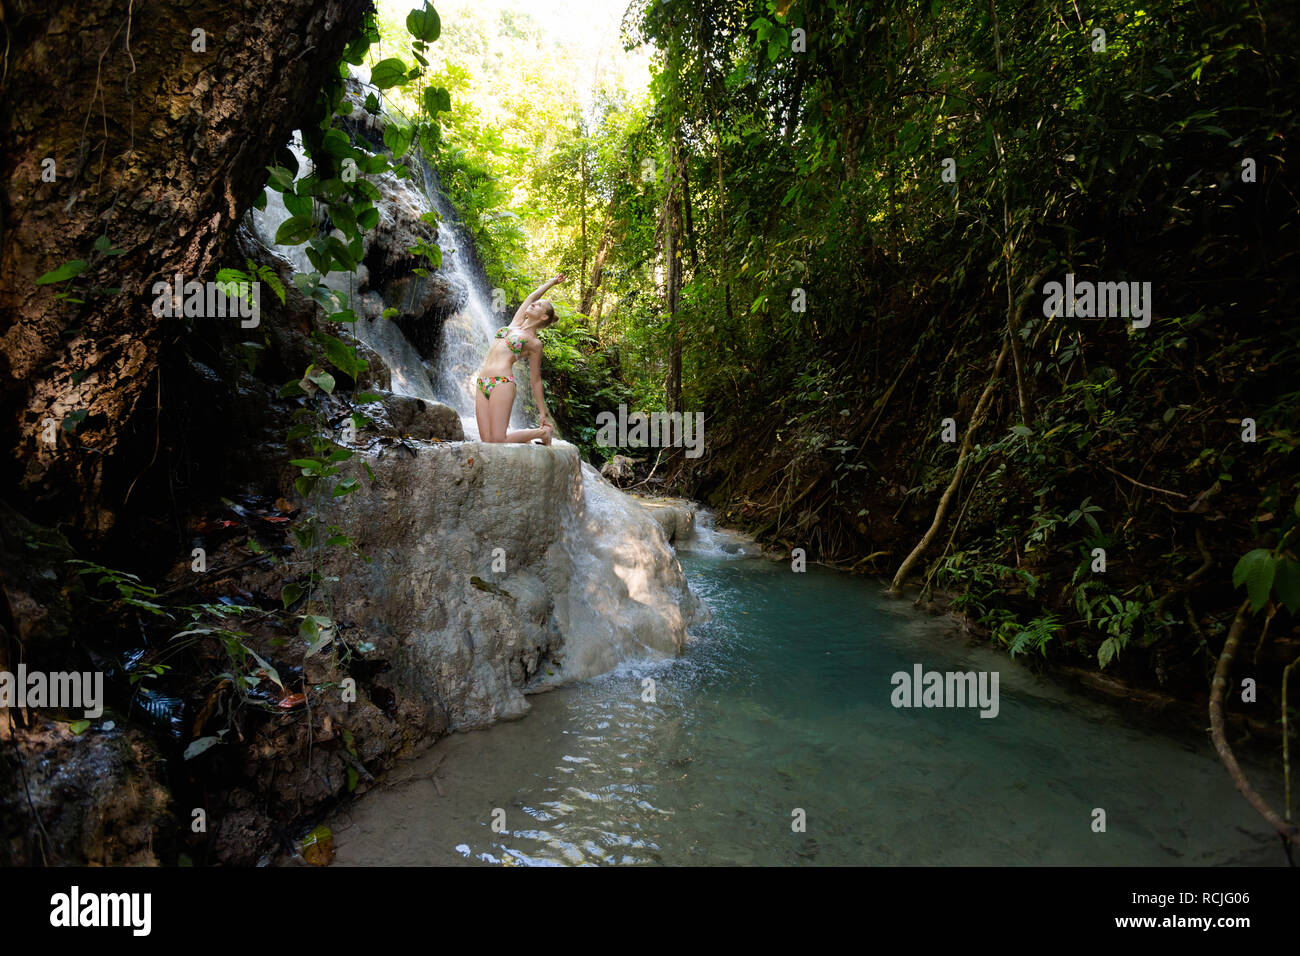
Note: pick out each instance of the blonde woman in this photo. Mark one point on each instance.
(494, 393)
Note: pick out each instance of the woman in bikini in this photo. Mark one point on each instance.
(495, 385)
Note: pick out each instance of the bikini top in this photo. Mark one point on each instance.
(514, 342)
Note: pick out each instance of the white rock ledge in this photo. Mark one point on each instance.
(589, 579)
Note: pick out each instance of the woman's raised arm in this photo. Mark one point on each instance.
(536, 294)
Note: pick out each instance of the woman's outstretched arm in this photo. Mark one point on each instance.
(536, 294)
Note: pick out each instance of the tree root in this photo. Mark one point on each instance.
(1288, 831)
(977, 417)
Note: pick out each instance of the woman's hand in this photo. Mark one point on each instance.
(558, 279)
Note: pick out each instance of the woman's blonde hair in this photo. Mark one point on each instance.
(551, 317)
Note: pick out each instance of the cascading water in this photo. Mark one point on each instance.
(467, 333)
(609, 582)
(467, 330)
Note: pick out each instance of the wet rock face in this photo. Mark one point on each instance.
(424, 420)
(499, 570)
(389, 262)
(675, 516)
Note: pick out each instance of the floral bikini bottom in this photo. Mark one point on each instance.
(492, 381)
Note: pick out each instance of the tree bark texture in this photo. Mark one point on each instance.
(119, 119)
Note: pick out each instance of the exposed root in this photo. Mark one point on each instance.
(1289, 831)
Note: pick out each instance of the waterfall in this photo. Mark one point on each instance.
(588, 565)
(468, 329)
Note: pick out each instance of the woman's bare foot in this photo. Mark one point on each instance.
(546, 431)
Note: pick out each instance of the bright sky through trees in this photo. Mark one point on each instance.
(576, 44)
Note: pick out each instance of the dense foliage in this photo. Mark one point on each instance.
(836, 219)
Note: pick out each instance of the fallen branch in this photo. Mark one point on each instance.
(356, 765)
(1163, 491)
(1218, 688)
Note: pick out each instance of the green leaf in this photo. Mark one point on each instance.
(372, 104)
(290, 593)
(368, 219)
(297, 205)
(346, 486)
(1286, 582)
(388, 73)
(281, 180)
(63, 273)
(341, 355)
(398, 138)
(271, 672)
(73, 419)
(424, 24)
(79, 727)
(320, 259)
(268, 275)
(295, 230)
(1109, 648)
(322, 380)
(372, 164)
(1255, 570)
(200, 745)
(335, 142)
(436, 100)
(1024, 431)
(343, 218)
(366, 398)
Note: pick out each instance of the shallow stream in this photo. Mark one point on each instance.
(782, 703)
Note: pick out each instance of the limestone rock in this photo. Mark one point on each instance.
(408, 417)
(618, 469)
(675, 516)
(493, 564)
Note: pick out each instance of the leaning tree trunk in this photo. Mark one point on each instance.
(122, 119)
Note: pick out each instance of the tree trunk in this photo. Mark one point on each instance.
(122, 120)
(607, 238)
(673, 280)
(582, 274)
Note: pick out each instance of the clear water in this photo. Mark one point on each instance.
(782, 702)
